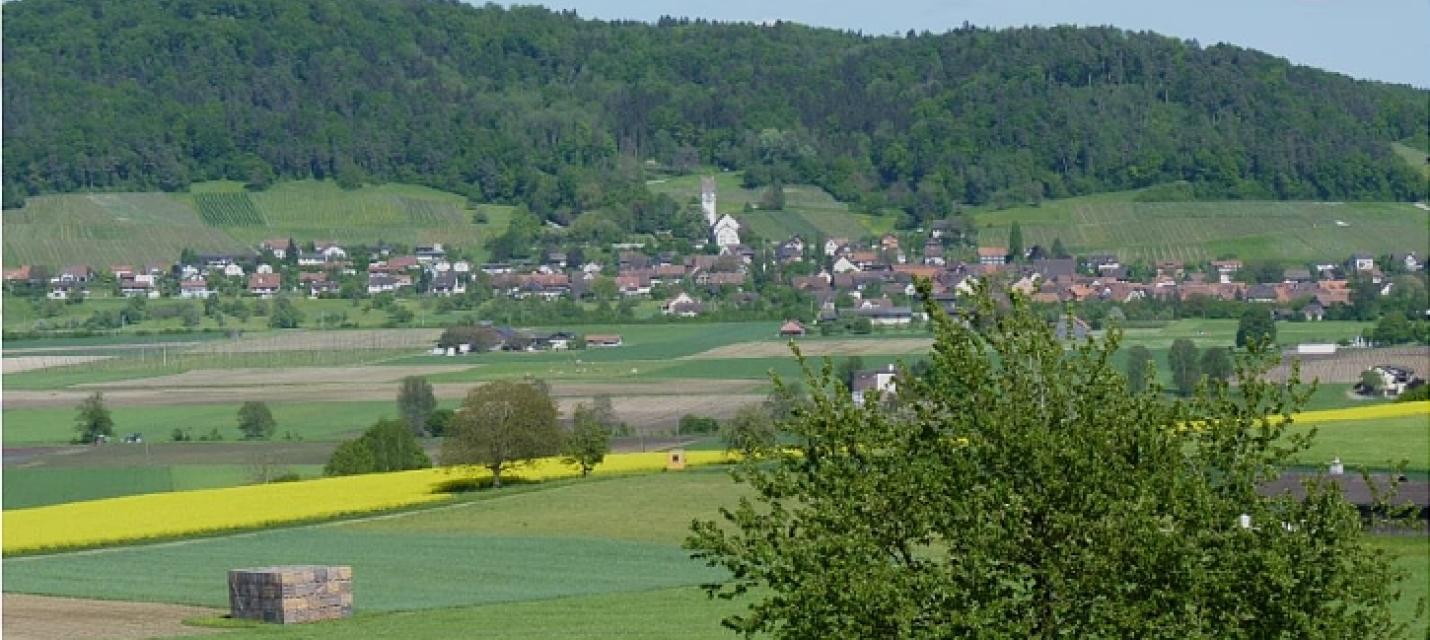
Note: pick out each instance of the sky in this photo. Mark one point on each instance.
(1387, 40)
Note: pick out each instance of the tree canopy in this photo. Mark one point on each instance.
(531, 106)
(501, 425)
(388, 445)
(1016, 489)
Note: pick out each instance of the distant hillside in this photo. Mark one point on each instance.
(1289, 232)
(559, 113)
(134, 228)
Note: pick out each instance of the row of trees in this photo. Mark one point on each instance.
(94, 421)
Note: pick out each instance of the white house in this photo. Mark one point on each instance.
(845, 265)
(682, 306)
(330, 251)
(262, 268)
(872, 385)
(195, 288)
(726, 231)
(832, 246)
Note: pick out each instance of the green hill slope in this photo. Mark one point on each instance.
(1293, 232)
(129, 228)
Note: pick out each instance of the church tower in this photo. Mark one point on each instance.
(707, 199)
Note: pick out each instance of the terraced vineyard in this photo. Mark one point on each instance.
(1195, 231)
(108, 228)
(228, 210)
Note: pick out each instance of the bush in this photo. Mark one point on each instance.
(387, 446)
(691, 424)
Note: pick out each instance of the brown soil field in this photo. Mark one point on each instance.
(658, 414)
(818, 348)
(357, 375)
(18, 364)
(1347, 364)
(30, 617)
(297, 385)
(325, 341)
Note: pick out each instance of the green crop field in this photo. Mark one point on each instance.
(41, 486)
(590, 558)
(228, 210)
(1293, 232)
(134, 228)
(1377, 444)
(322, 421)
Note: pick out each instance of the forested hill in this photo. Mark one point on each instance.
(564, 114)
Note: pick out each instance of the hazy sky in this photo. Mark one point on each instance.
(1377, 39)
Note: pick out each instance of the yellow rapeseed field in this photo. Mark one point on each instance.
(184, 513)
(1368, 412)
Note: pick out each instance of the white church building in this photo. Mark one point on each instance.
(724, 228)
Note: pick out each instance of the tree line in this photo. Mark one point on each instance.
(565, 115)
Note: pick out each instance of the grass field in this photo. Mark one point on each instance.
(591, 558)
(1376, 444)
(24, 488)
(809, 210)
(134, 228)
(1294, 232)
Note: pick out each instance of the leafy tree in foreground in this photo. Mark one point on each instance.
(503, 424)
(1255, 325)
(93, 419)
(416, 402)
(589, 441)
(1141, 369)
(1216, 363)
(386, 446)
(255, 421)
(1019, 491)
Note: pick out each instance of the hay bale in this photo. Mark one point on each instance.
(291, 594)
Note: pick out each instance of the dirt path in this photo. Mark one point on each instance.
(30, 617)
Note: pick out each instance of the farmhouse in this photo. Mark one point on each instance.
(874, 384)
(1393, 381)
(992, 256)
(264, 285)
(603, 340)
(682, 306)
(195, 288)
(447, 284)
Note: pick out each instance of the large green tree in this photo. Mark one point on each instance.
(589, 440)
(1185, 365)
(1141, 369)
(388, 445)
(415, 403)
(93, 419)
(1255, 326)
(502, 425)
(255, 421)
(1018, 491)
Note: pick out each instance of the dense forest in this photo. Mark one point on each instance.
(566, 115)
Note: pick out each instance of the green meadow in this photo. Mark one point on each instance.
(1292, 232)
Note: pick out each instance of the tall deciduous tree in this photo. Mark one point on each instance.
(1141, 369)
(1019, 491)
(415, 403)
(93, 419)
(589, 441)
(1186, 367)
(1255, 326)
(255, 421)
(501, 425)
(1216, 363)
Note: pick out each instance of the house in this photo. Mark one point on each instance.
(844, 265)
(277, 246)
(726, 231)
(933, 253)
(558, 341)
(792, 329)
(195, 288)
(993, 256)
(121, 271)
(67, 290)
(264, 285)
(633, 285)
(603, 340)
(1393, 380)
(74, 274)
(429, 253)
(791, 250)
(721, 279)
(1263, 293)
(1361, 262)
(886, 316)
(1313, 311)
(833, 246)
(21, 273)
(447, 284)
(1296, 274)
(682, 306)
(875, 384)
(316, 284)
(331, 252)
(1409, 261)
(133, 288)
(233, 270)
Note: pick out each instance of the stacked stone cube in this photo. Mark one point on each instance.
(291, 594)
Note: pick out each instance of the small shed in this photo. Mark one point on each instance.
(792, 329)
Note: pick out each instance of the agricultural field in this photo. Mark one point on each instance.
(220, 217)
(1292, 232)
(809, 210)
